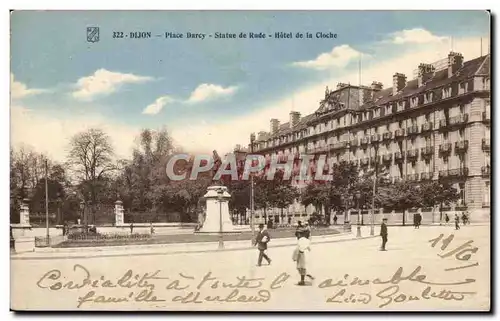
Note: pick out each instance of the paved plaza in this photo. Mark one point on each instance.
(452, 275)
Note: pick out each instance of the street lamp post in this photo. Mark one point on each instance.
(220, 194)
(252, 202)
(358, 200)
(47, 202)
(372, 216)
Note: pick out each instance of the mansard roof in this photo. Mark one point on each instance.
(477, 66)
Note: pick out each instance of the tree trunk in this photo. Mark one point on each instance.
(265, 216)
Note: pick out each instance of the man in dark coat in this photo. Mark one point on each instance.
(383, 234)
(261, 241)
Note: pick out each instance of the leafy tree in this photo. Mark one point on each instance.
(435, 193)
(399, 196)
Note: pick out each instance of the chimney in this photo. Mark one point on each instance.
(261, 136)
(294, 118)
(398, 83)
(455, 62)
(425, 72)
(341, 85)
(377, 86)
(275, 125)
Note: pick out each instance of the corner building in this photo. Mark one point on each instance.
(433, 127)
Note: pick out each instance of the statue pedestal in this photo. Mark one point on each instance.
(217, 211)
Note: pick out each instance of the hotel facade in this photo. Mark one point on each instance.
(433, 127)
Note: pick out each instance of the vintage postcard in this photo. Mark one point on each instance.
(250, 161)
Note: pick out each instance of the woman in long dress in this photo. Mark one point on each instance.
(299, 256)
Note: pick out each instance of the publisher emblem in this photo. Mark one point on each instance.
(92, 34)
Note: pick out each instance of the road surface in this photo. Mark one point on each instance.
(354, 275)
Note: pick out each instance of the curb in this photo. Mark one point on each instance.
(214, 250)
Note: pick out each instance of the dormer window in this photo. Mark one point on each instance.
(413, 102)
(428, 98)
(447, 92)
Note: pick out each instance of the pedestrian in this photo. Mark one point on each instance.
(446, 218)
(289, 221)
(299, 230)
(335, 220)
(307, 231)
(261, 241)
(464, 218)
(383, 234)
(269, 224)
(151, 228)
(415, 221)
(419, 220)
(131, 228)
(467, 217)
(299, 256)
(457, 222)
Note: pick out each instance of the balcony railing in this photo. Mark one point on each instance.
(461, 146)
(354, 142)
(427, 151)
(412, 177)
(338, 145)
(454, 121)
(486, 170)
(398, 133)
(445, 148)
(486, 144)
(486, 116)
(365, 140)
(426, 176)
(456, 172)
(412, 153)
(376, 138)
(427, 127)
(412, 130)
(399, 156)
(387, 158)
(387, 136)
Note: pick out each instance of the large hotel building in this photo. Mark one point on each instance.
(435, 126)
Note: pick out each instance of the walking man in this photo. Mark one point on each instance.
(383, 234)
(335, 220)
(261, 241)
(457, 222)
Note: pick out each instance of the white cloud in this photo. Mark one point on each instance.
(223, 136)
(206, 135)
(416, 35)
(104, 82)
(340, 56)
(206, 92)
(19, 90)
(157, 106)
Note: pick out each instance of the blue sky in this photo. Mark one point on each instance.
(59, 75)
